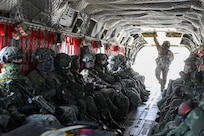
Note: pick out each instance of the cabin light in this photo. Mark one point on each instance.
(158, 29)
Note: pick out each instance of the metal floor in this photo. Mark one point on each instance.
(141, 120)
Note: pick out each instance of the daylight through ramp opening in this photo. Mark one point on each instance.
(145, 64)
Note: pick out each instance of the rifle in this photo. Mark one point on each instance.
(6, 96)
(39, 101)
(99, 80)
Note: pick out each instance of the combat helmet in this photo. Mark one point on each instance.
(75, 64)
(62, 61)
(184, 108)
(101, 57)
(122, 59)
(45, 59)
(190, 63)
(88, 60)
(88, 57)
(111, 62)
(166, 45)
(111, 58)
(43, 54)
(10, 53)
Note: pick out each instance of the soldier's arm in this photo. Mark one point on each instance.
(179, 131)
(159, 48)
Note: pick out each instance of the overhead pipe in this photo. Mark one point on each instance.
(197, 5)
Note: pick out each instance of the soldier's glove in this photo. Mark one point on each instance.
(50, 94)
(109, 86)
(99, 86)
(65, 114)
(117, 77)
(154, 34)
(116, 87)
(89, 87)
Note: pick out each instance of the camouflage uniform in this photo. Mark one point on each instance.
(192, 110)
(193, 124)
(99, 98)
(163, 61)
(15, 105)
(90, 77)
(46, 82)
(134, 86)
(177, 91)
(120, 99)
(81, 95)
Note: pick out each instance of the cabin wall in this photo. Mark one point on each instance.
(39, 38)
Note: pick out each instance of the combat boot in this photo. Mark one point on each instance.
(112, 106)
(144, 98)
(109, 121)
(163, 82)
(16, 119)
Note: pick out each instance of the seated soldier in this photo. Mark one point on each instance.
(15, 103)
(82, 92)
(131, 82)
(101, 67)
(46, 83)
(193, 124)
(113, 97)
(73, 91)
(192, 110)
(120, 63)
(177, 91)
(126, 86)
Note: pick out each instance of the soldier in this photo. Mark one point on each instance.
(101, 62)
(110, 94)
(177, 91)
(193, 124)
(15, 104)
(75, 88)
(46, 82)
(164, 59)
(192, 110)
(100, 66)
(132, 81)
(83, 93)
(101, 103)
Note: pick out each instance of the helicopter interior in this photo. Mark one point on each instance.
(109, 26)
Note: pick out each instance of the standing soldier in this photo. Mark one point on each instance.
(164, 59)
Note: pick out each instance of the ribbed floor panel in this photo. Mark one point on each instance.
(141, 120)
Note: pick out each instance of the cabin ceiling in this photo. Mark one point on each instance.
(121, 18)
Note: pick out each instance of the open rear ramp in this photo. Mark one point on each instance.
(141, 120)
